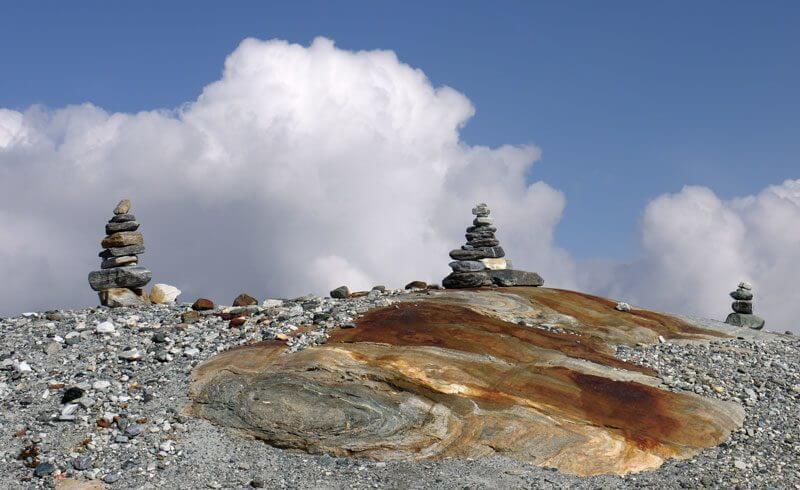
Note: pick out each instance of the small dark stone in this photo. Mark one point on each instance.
(321, 317)
(203, 304)
(492, 252)
(258, 484)
(122, 251)
(190, 316)
(460, 280)
(459, 254)
(745, 307)
(467, 266)
(380, 288)
(237, 322)
(125, 260)
(341, 292)
(512, 277)
(82, 463)
(121, 218)
(54, 316)
(111, 478)
(159, 337)
(481, 228)
(475, 235)
(44, 469)
(417, 285)
(742, 294)
(71, 394)
(245, 299)
(745, 320)
(133, 430)
(112, 227)
(484, 242)
(119, 277)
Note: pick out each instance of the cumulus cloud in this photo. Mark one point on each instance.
(697, 247)
(302, 168)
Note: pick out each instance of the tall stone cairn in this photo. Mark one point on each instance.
(481, 260)
(742, 315)
(120, 280)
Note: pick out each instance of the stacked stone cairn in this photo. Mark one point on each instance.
(481, 261)
(742, 315)
(120, 280)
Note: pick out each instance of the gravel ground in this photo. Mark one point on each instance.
(97, 395)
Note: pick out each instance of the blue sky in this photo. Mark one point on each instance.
(627, 100)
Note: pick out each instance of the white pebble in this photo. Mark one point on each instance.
(105, 327)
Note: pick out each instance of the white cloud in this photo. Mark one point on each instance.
(697, 247)
(302, 168)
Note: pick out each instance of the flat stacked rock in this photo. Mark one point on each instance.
(481, 261)
(120, 280)
(742, 315)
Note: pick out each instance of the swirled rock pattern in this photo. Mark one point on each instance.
(444, 374)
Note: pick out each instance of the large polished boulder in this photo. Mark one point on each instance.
(472, 374)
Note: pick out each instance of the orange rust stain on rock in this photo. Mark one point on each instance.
(643, 414)
(460, 328)
(594, 311)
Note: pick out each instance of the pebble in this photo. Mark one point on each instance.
(105, 327)
(101, 385)
(44, 469)
(130, 354)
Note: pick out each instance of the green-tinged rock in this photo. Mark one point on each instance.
(744, 320)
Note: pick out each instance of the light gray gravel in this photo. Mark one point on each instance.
(128, 430)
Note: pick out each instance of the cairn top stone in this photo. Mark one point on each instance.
(481, 209)
(123, 207)
(745, 285)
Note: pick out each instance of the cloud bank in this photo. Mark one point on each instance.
(697, 247)
(304, 168)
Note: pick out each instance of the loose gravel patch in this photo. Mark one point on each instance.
(98, 395)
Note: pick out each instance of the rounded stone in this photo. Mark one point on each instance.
(744, 320)
(123, 207)
(467, 266)
(121, 251)
(245, 299)
(203, 304)
(461, 280)
(164, 294)
(742, 307)
(742, 295)
(123, 239)
(119, 277)
(341, 292)
(512, 277)
(112, 227)
(119, 261)
(120, 218)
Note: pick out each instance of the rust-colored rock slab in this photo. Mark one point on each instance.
(444, 375)
(584, 314)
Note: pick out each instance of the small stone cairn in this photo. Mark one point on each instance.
(120, 280)
(742, 315)
(481, 261)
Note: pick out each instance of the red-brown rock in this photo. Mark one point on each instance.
(203, 304)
